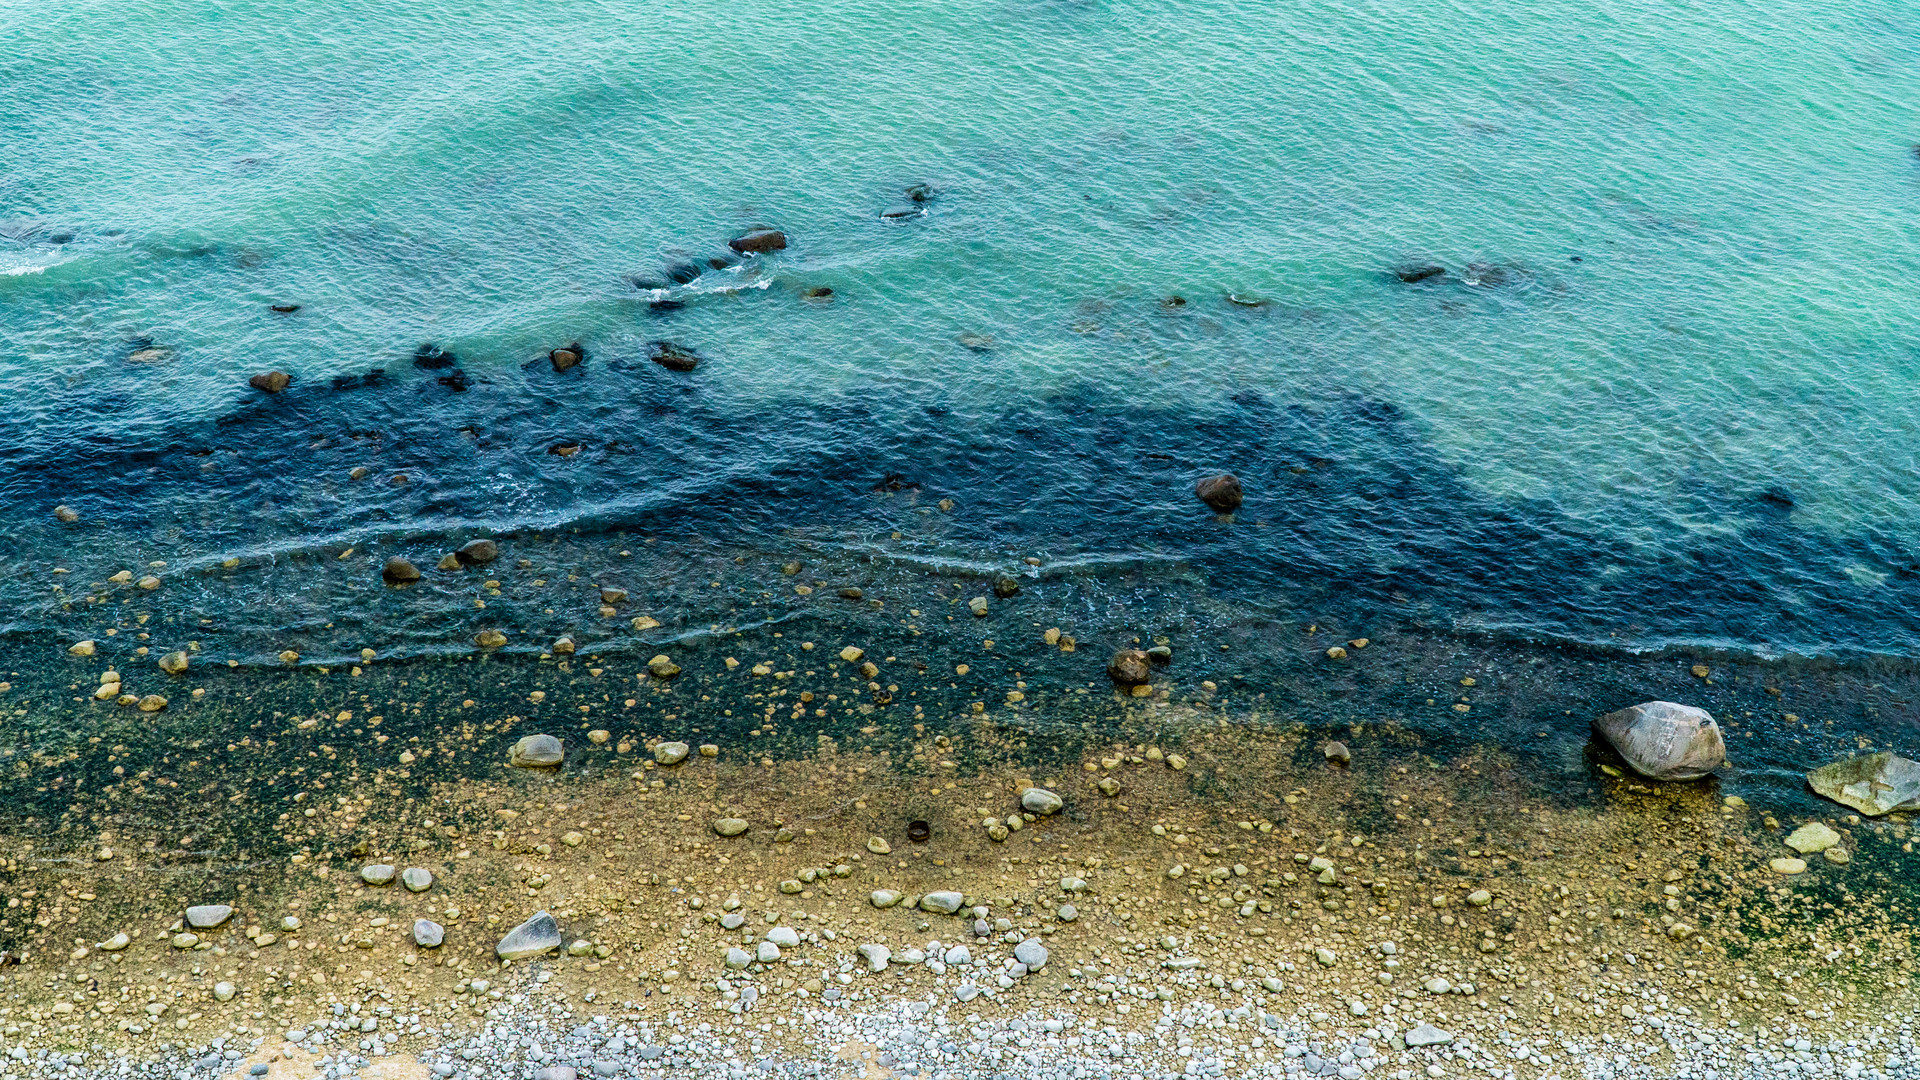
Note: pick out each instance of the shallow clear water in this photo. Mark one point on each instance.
(1665, 390)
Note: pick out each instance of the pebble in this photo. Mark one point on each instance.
(417, 878)
(941, 903)
(663, 667)
(1787, 866)
(399, 571)
(730, 826)
(1038, 800)
(670, 753)
(738, 958)
(1337, 753)
(556, 1072)
(428, 934)
(562, 646)
(879, 846)
(876, 955)
(884, 898)
(152, 703)
(377, 874)
(490, 639)
(767, 952)
(1812, 838)
(208, 916)
(477, 552)
(82, 648)
(784, 936)
(1479, 898)
(115, 943)
(536, 751)
(223, 991)
(536, 936)
(1031, 953)
(174, 663)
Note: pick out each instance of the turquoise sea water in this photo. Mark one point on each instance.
(1667, 390)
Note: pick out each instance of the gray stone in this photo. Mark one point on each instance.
(941, 903)
(1068, 913)
(208, 916)
(377, 874)
(738, 958)
(732, 920)
(767, 952)
(959, 956)
(883, 898)
(428, 934)
(1038, 800)
(877, 956)
(1662, 740)
(535, 937)
(1427, 1035)
(1031, 953)
(605, 1068)
(784, 936)
(536, 752)
(556, 1072)
(670, 753)
(730, 826)
(1875, 784)
(417, 878)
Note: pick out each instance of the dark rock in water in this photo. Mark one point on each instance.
(661, 306)
(60, 236)
(284, 309)
(673, 357)
(977, 342)
(399, 571)
(564, 450)
(919, 193)
(1004, 586)
(1243, 300)
(852, 592)
(902, 210)
(1160, 655)
(477, 552)
(568, 357)
(271, 382)
(723, 262)
(455, 380)
(1175, 301)
(681, 273)
(646, 284)
(433, 357)
(1130, 667)
(819, 293)
(449, 561)
(1486, 275)
(373, 377)
(759, 241)
(1220, 492)
(1418, 272)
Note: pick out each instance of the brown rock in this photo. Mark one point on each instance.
(569, 357)
(1130, 667)
(759, 241)
(271, 382)
(449, 561)
(673, 357)
(1220, 492)
(66, 513)
(477, 552)
(174, 663)
(399, 571)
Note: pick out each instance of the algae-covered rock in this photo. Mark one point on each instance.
(1875, 784)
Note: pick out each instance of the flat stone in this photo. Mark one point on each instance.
(671, 753)
(1875, 784)
(428, 934)
(1427, 1035)
(536, 752)
(416, 878)
(1038, 800)
(556, 1072)
(1664, 740)
(941, 903)
(535, 937)
(1812, 838)
(377, 874)
(1031, 953)
(208, 916)
(1787, 866)
(730, 826)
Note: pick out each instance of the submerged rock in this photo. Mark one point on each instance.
(433, 357)
(1663, 740)
(66, 514)
(1221, 492)
(1413, 273)
(1130, 667)
(673, 357)
(1875, 784)
(535, 937)
(174, 663)
(1812, 838)
(759, 241)
(477, 552)
(270, 382)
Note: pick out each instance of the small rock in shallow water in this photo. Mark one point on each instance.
(399, 571)
(377, 873)
(536, 751)
(663, 667)
(65, 513)
(1812, 838)
(562, 646)
(1337, 753)
(759, 241)
(270, 382)
(208, 916)
(673, 357)
(1663, 740)
(535, 937)
(1787, 866)
(1222, 493)
(82, 648)
(1038, 800)
(174, 663)
(1413, 273)
(417, 878)
(1004, 587)
(978, 605)
(477, 552)
(670, 753)
(569, 357)
(152, 703)
(1130, 667)
(490, 639)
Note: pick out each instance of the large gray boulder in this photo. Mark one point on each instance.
(1663, 740)
(1875, 784)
